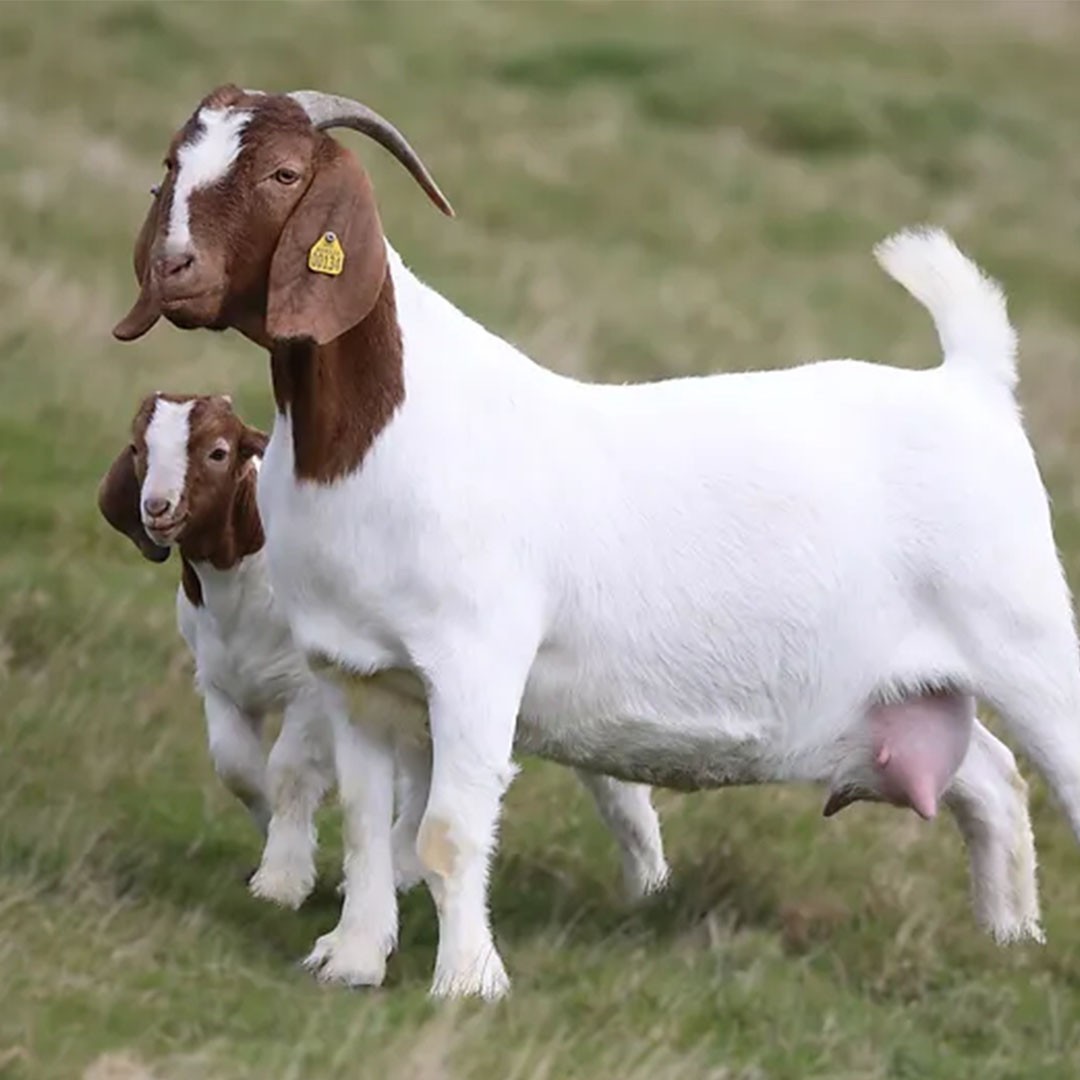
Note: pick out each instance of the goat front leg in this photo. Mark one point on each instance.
(628, 812)
(355, 951)
(299, 771)
(473, 715)
(237, 753)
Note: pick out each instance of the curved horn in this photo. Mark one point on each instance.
(329, 110)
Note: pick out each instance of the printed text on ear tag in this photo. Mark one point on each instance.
(326, 256)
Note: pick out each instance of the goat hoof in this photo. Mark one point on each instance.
(641, 882)
(485, 979)
(288, 886)
(347, 960)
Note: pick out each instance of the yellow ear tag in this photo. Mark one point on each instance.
(326, 256)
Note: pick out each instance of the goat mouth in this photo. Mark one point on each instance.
(169, 303)
(164, 532)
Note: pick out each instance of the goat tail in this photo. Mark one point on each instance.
(968, 308)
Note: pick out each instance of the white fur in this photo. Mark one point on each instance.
(698, 582)
(201, 162)
(167, 451)
(246, 666)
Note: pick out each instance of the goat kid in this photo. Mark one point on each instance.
(188, 480)
(806, 575)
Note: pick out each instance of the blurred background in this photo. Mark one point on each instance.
(642, 190)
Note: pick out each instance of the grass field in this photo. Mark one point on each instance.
(642, 190)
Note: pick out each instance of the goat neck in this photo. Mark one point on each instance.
(224, 541)
(341, 395)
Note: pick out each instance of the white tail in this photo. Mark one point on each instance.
(968, 308)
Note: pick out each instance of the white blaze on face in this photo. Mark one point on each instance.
(167, 451)
(203, 161)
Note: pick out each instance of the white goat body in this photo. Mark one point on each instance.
(699, 582)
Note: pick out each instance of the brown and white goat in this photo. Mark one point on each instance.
(696, 583)
(187, 480)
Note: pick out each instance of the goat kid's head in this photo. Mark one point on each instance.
(177, 480)
(265, 223)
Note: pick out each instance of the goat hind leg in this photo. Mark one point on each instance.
(628, 812)
(988, 799)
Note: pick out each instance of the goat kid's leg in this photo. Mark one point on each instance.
(299, 772)
(988, 799)
(628, 812)
(473, 716)
(412, 783)
(237, 754)
(355, 951)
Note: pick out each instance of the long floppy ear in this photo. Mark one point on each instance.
(146, 310)
(306, 304)
(118, 501)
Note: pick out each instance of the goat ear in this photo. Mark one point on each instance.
(252, 442)
(118, 501)
(304, 304)
(146, 310)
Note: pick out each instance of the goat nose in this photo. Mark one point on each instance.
(155, 506)
(171, 265)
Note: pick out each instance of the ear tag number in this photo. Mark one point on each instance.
(326, 256)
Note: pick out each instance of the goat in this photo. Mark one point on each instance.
(188, 480)
(808, 575)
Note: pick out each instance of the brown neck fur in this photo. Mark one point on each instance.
(342, 394)
(225, 540)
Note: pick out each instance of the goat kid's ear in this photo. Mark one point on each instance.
(118, 501)
(305, 304)
(146, 310)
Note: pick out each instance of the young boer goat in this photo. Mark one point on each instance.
(805, 575)
(188, 480)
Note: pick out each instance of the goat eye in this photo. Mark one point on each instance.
(134, 450)
(155, 190)
(219, 453)
(286, 176)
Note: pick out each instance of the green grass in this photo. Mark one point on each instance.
(643, 190)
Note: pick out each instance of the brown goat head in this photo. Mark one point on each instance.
(264, 222)
(186, 478)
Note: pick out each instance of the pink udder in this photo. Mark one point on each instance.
(918, 745)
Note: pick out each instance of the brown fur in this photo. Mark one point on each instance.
(341, 395)
(222, 523)
(335, 345)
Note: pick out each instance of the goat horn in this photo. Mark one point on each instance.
(329, 111)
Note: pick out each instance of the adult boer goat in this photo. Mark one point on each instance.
(807, 575)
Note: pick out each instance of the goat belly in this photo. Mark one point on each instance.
(686, 757)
